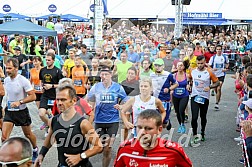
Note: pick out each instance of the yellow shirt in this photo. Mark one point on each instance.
(69, 63)
(192, 62)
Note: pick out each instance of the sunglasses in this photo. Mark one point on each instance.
(14, 163)
(168, 52)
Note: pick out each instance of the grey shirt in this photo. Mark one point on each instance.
(87, 58)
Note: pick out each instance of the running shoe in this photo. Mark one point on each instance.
(34, 154)
(194, 140)
(216, 107)
(241, 161)
(183, 128)
(212, 93)
(180, 129)
(43, 126)
(203, 137)
(238, 139)
(186, 118)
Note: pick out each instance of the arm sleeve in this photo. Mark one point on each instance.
(27, 85)
(91, 94)
(182, 159)
(211, 61)
(119, 161)
(172, 79)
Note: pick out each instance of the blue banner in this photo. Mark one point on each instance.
(105, 7)
(194, 15)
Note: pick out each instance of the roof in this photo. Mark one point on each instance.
(25, 28)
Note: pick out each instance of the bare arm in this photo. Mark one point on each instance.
(92, 137)
(126, 107)
(160, 107)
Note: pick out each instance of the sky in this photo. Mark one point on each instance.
(230, 9)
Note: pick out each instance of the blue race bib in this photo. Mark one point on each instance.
(108, 98)
(77, 82)
(179, 91)
(219, 65)
(10, 108)
(199, 99)
(50, 102)
(37, 87)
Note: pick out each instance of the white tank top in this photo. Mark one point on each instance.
(139, 106)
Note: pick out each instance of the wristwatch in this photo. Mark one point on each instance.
(83, 155)
(21, 101)
(52, 85)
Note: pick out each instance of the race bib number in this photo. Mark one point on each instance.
(10, 108)
(37, 87)
(199, 99)
(219, 65)
(77, 82)
(50, 102)
(107, 98)
(179, 91)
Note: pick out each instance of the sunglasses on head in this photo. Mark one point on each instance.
(14, 163)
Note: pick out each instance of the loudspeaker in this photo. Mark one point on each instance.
(186, 2)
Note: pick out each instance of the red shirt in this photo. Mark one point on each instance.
(81, 107)
(166, 154)
(208, 55)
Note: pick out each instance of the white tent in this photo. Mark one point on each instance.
(230, 9)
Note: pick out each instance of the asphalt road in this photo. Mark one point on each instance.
(219, 149)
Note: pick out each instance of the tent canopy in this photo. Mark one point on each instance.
(71, 17)
(45, 17)
(13, 16)
(65, 17)
(25, 28)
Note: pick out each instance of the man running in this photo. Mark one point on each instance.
(219, 63)
(49, 76)
(104, 97)
(163, 84)
(19, 92)
(72, 133)
(200, 79)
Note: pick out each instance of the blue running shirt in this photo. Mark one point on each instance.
(105, 99)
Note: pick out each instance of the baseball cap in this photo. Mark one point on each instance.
(159, 62)
(248, 103)
(17, 48)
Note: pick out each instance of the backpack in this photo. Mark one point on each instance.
(225, 60)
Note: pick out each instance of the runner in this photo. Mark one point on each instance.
(149, 149)
(34, 78)
(74, 128)
(49, 76)
(219, 63)
(81, 106)
(163, 84)
(139, 103)
(200, 79)
(79, 76)
(19, 92)
(94, 74)
(104, 96)
(122, 67)
(181, 95)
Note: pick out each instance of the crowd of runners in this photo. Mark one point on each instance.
(136, 74)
